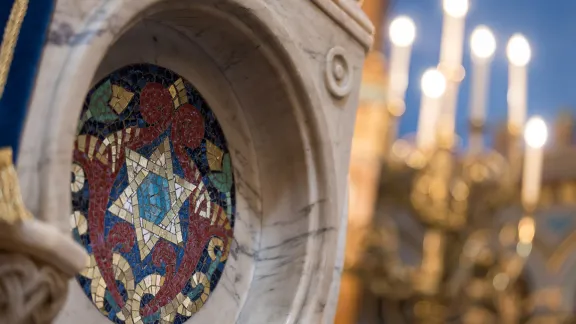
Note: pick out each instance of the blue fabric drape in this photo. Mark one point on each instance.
(21, 79)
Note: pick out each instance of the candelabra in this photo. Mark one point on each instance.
(456, 198)
(469, 270)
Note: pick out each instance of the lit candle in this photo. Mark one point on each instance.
(519, 54)
(433, 85)
(402, 33)
(483, 46)
(451, 48)
(535, 135)
(453, 32)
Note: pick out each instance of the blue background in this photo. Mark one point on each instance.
(14, 102)
(549, 27)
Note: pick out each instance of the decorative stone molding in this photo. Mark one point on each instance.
(261, 66)
(349, 15)
(339, 75)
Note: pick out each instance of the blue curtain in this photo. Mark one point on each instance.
(14, 102)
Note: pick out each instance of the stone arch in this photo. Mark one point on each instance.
(264, 81)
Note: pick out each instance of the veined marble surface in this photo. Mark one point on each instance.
(283, 80)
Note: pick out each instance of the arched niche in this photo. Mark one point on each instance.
(282, 80)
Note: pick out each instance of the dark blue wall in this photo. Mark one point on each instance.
(14, 102)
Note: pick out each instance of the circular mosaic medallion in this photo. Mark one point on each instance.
(152, 196)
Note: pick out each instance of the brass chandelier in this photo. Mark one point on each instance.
(470, 268)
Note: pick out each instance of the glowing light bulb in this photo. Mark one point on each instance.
(501, 281)
(433, 83)
(518, 50)
(402, 31)
(536, 132)
(526, 230)
(456, 8)
(482, 42)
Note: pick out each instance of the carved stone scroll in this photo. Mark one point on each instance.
(36, 260)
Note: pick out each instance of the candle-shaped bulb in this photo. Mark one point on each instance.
(482, 42)
(536, 133)
(519, 53)
(433, 83)
(483, 46)
(402, 31)
(456, 8)
(518, 50)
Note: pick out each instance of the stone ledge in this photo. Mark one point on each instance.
(359, 26)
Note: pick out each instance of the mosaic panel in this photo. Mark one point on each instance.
(152, 196)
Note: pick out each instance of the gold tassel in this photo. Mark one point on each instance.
(12, 209)
(10, 39)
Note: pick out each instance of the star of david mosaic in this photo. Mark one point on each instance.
(152, 196)
(152, 199)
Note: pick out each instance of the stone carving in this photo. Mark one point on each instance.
(30, 292)
(260, 65)
(339, 75)
(36, 260)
